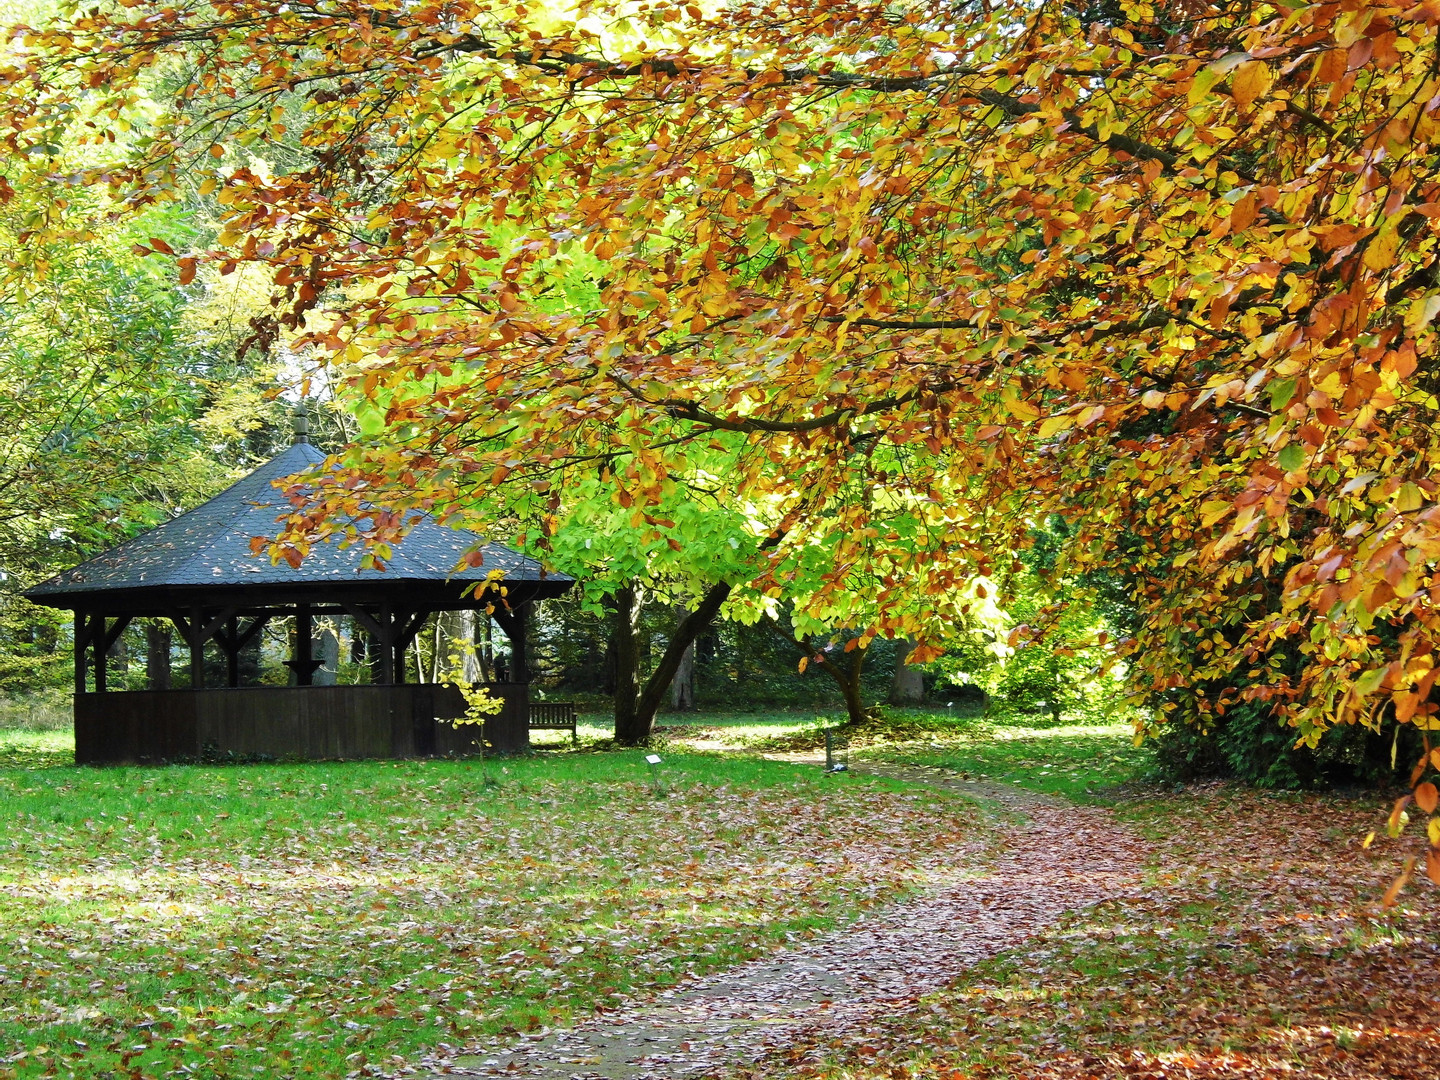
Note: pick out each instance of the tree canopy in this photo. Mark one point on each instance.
(923, 273)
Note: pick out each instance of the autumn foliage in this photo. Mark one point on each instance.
(916, 275)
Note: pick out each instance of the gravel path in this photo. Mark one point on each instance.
(1060, 857)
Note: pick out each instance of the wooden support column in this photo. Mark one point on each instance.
(102, 639)
(304, 663)
(196, 632)
(233, 639)
(514, 623)
(82, 643)
(197, 649)
(101, 653)
(232, 651)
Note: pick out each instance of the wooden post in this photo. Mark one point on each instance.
(82, 631)
(515, 625)
(380, 627)
(385, 644)
(232, 652)
(101, 653)
(521, 643)
(197, 648)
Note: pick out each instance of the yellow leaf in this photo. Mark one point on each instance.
(1432, 830)
(1398, 818)
(1055, 424)
(1211, 512)
(1422, 313)
(1369, 839)
(1021, 409)
(1153, 399)
(1405, 705)
(1408, 498)
(1384, 245)
(1250, 81)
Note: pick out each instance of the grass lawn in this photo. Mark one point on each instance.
(308, 919)
(1082, 762)
(328, 918)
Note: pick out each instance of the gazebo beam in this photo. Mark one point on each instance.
(232, 640)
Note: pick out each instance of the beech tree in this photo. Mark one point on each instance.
(1166, 269)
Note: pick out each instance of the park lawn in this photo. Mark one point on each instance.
(36, 749)
(1084, 762)
(312, 918)
(1256, 948)
(708, 729)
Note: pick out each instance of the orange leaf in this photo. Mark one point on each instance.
(1432, 865)
(160, 245)
(1426, 797)
(1331, 66)
(1399, 883)
(1405, 705)
(1419, 769)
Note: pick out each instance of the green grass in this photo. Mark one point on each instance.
(303, 919)
(36, 749)
(1082, 762)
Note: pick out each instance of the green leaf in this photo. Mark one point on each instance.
(1281, 391)
(1292, 457)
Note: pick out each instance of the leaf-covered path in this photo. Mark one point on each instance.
(1057, 857)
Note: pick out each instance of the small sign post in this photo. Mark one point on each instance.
(656, 784)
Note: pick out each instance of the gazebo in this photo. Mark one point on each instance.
(198, 572)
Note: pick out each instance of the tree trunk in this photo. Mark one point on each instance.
(249, 660)
(439, 646)
(635, 715)
(119, 656)
(471, 646)
(485, 645)
(682, 687)
(692, 626)
(328, 674)
(626, 649)
(157, 655)
(908, 685)
(847, 677)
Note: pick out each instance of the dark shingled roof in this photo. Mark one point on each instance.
(210, 546)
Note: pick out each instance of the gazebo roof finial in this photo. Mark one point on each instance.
(300, 420)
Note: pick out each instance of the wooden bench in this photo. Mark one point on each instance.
(553, 716)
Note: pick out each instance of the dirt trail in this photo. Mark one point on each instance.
(1060, 857)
